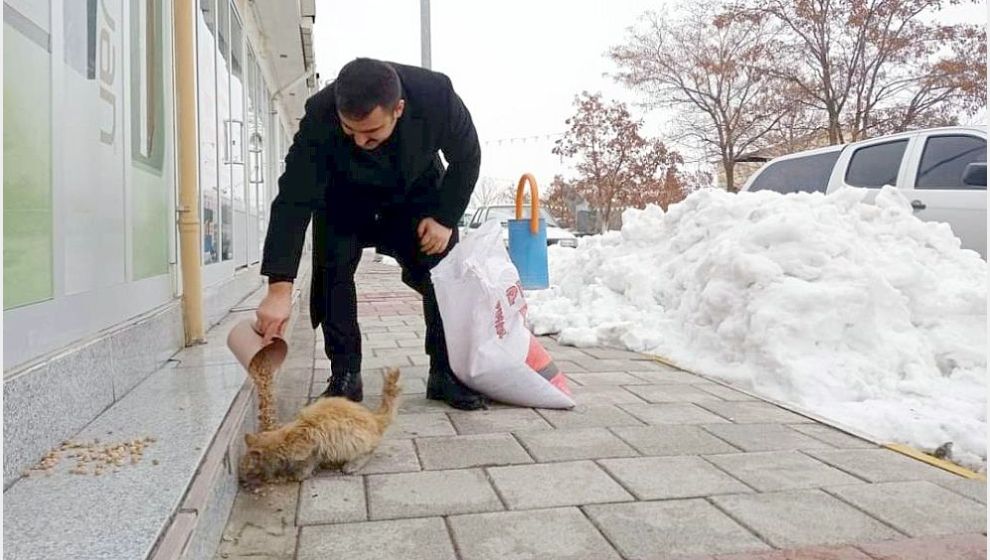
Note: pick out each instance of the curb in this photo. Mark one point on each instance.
(219, 464)
(935, 461)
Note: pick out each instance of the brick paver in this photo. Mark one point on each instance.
(653, 463)
(335, 499)
(590, 416)
(571, 445)
(408, 539)
(673, 440)
(672, 528)
(803, 518)
(538, 534)
(780, 470)
(667, 478)
(907, 506)
(881, 465)
(556, 484)
(956, 547)
(430, 493)
(461, 452)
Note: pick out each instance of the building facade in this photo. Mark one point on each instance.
(92, 280)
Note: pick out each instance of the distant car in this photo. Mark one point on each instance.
(556, 235)
(462, 224)
(942, 171)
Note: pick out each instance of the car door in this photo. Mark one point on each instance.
(937, 191)
(872, 165)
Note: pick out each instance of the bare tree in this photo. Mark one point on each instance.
(489, 191)
(708, 65)
(616, 166)
(875, 66)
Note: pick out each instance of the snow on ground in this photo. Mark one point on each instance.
(858, 312)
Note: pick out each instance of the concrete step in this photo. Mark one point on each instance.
(173, 502)
(121, 514)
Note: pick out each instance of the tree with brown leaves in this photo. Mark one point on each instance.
(706, 65)
(875, 66)
(560, 199)
(616, 166)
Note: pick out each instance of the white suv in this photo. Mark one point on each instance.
(942, 171)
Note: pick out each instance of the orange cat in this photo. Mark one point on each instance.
(330, 432)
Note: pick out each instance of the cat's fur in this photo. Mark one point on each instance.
(328, 433)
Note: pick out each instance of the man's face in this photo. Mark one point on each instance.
(369, 133)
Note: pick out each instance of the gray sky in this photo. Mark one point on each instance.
(517, 64)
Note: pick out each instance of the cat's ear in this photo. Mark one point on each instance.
(251, 439)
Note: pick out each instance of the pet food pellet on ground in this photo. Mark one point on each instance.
(99, 457)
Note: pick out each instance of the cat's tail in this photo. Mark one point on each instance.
(390, 396)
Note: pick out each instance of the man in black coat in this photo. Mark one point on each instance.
(365, 166)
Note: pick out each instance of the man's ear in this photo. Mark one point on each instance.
(399, 108)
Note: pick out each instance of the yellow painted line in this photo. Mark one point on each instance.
(667, 362)
(897, 447)
(934, 461)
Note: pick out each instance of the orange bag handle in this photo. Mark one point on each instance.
(534, 195)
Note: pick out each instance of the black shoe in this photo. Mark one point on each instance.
(347, 385)
(449, 389)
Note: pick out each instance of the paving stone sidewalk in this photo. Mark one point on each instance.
(654, 463)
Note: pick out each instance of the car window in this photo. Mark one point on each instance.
(476, 220)
(506, 213)
(877, 165)
(800, 174)
(945, 159)
(501, 213)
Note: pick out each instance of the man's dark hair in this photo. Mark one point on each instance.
(366, 83)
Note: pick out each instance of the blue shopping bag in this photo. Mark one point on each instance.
(528, 239)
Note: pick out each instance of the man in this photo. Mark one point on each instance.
(365, 165)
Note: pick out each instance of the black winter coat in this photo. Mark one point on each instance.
(319, 178)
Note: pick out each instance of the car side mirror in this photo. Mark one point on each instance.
(475, 225)
(975, 174)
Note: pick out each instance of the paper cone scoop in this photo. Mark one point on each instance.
(247, 344)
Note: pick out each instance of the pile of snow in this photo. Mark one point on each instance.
(858, 312)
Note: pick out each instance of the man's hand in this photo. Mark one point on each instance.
(433, 236)
(273, 313)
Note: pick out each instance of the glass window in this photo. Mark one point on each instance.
(877, 165)
(267, 148)
(27, 154)
(208, 154)
(239, 89)
(90, 129)
(945, 159)
(151, 139)
(800, 174)
(225, 129)
(476, 220)
(255, 155)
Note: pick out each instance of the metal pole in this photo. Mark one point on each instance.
(424, 32)
(190, 241)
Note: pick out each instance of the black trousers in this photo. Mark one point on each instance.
(341, 333)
